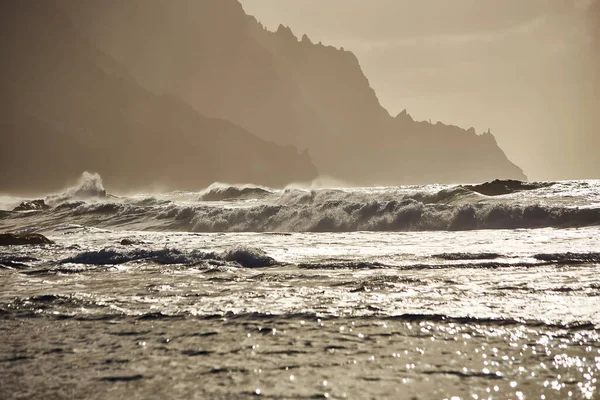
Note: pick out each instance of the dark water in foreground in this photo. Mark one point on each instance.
(294, 357)
(422, 292)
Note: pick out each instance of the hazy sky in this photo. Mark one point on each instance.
(515, 66)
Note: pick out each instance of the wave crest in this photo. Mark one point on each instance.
(406, 215)
(414, 208)
(332, 216)
(239, 256)
(219, 192)
(88, 186)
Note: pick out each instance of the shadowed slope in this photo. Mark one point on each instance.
(68, 107)
(291, 91)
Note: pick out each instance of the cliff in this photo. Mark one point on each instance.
(288, 90)
(69, 107)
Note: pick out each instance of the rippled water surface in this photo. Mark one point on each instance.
(137, 298)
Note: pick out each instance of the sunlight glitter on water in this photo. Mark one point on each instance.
(425, 314)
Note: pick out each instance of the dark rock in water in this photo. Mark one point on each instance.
(32, 205)
(11, 239)
(128, 242)
(501, 187)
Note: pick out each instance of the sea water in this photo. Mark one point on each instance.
(426, 292)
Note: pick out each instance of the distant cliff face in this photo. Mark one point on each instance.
(68, 107)
(289, 90)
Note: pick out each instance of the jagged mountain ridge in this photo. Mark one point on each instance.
(289, 90)
(68, 107)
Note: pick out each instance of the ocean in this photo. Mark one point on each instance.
(242, 291)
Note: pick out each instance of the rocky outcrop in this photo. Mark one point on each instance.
(68, 107)
(11, 239)
(502, 187)
(287, 90)
(128, 242)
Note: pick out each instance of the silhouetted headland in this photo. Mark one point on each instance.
(289, 90)
(172, 94)
(69, 107)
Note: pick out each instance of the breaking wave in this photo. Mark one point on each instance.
(241, 256)
(88, 186)
(333, 216)
(405, 215)
(218, 192)
(225, 208)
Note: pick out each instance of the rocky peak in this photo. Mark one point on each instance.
(404, 115)
(285, 32)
